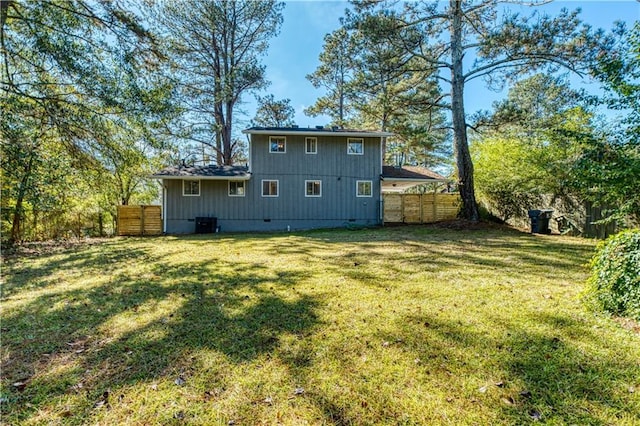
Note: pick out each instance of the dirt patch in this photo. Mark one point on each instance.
(629, 324)
(466, 225)
(38, 248)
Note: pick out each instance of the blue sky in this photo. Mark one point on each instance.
(294, 52)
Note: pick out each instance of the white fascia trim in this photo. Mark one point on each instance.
(428, 180)
(312, 132)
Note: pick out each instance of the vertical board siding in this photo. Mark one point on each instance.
(139, 220)
(420, 208)
(337, 206)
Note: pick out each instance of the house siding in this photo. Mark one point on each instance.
(291, 209)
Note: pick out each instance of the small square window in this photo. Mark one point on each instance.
(311, 145)
(270, 188)
(313, 188)
(277, 144)
(364, 188)
(236, 188)
(355, 146)
(191, 188)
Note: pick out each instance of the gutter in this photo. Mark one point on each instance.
(312, 132)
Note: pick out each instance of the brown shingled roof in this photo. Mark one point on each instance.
(410, 173)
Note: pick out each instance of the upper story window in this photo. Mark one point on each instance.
(355, 146)
(277, 144)
(364, 188)
(236, 188)
(311, 145)
(270, 188)
(313, 188)
(191, 188)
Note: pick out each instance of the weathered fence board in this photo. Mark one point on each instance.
(139, 220)
(420, 208)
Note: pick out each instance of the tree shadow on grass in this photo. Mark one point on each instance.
(142, 327)
(554, 372)
(35, 272)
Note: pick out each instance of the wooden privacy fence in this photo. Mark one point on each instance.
(139, 220)
(420, 208)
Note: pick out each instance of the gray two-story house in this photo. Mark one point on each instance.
(296, 178)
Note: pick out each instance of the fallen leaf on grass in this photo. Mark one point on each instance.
(101, 403)
(180, 381)
(525, 394)
(298, 391)
(508, 400)
(499, 384)
(535, 414)
(20, 384)
(482, 389)
(179, 415)
(268, 400)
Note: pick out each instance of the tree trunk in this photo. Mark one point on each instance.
(226, 135)
(219, 157)
(18, 214)
(469, 209)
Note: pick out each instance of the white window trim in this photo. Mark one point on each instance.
(192, 180)
(285, 144)
(270, 180)
(350, 140)
(305, 188)
(358, 182)
(306, 151)
(244, 188)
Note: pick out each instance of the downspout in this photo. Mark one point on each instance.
(164, 207)
(380, 200)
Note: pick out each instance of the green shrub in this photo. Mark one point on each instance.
(614, 285)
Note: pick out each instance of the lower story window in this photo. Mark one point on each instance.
(191, 188)
(313, 188)
(363, 188)
(236, 188)
(270, 188)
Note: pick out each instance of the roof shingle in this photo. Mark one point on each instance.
(210, 171)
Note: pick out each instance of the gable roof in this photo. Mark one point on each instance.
(315, 131)
(414, 173)
(399, 179)
(204, 172)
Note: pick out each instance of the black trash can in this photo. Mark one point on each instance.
(206, 225)
(540, 221)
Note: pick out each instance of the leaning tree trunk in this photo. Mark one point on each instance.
(18, 213)
(469, 209)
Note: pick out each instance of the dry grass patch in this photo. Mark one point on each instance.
(409, 325)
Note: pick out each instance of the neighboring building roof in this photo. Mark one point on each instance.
(399, 179)
(410, 173)
(315, 131)
(204, 172)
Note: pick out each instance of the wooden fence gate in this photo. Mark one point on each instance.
(420, 208)
(139, 220)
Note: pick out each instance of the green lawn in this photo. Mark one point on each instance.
(406, 325)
